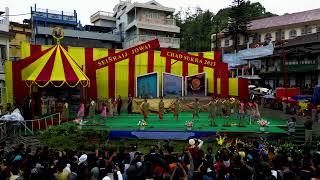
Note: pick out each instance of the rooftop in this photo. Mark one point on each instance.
(304, 40)
(286, 19)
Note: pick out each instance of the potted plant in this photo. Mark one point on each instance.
(142, 124)
(189, 125)
(263, 124)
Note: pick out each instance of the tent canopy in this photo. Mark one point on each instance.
(55, 67)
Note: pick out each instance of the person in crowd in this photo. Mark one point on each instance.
(291, 127)
(176, 108)
(161, 108)
(65, 111)
(241, 113)
(119, 105)
(81, 112)
(92, 111)
(111, 109)
(129, 107)
(196, 107)
(212, 109)
(308, 131)
(318, 114)
(255, 111)
(234, 159)
(250, 111)
(103, 113)
(144, 107)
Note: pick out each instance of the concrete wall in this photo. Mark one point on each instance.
(82, 34)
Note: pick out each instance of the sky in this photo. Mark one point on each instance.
(85, 8)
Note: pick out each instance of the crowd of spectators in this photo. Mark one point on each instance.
(230, 160)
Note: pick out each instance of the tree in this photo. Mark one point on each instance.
(239, 20)
(195, 29)
(198, 26)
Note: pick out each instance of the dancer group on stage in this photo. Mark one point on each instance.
(228, 108)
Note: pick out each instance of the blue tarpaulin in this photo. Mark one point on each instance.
(247, 54)
(316, 95)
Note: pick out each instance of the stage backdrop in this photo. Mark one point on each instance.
(119, 78)
(172, 85)
(196, 85)
(147, 86)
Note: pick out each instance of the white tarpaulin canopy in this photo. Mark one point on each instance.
(253, 53)
(14, 116)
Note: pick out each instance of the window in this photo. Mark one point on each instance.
(259, 37)
(226, 43)
(292, 34)
(268, 37)
(280, 35)
(318, 29)
(309, 30)
(306, 30)
(152, 15)
(238, 41)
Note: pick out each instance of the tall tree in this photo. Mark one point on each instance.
(196, 29)
(239, 20)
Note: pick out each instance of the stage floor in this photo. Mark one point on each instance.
(126, 122)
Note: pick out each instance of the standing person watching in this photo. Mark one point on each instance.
(291, 127)
(119, 104)
(129, 108)
(308, 131)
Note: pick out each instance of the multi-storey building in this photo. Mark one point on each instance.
(140, 22)
(277, 28)
(44, 20)
(21, 34)
(298, 33)
(5, 36)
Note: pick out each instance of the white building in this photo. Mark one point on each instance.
(277, 28)
(299, 32)
(140, 22)
(4, 48)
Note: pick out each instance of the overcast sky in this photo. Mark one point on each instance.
(85, 8)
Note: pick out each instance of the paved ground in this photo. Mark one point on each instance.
(276, 114)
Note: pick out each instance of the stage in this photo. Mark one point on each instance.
(125, 126)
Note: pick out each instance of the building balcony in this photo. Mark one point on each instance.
(102, 15)
(48, 15)
(165, 42)
(300, 68)
(268, 70)
(169, 25)
(82, 34)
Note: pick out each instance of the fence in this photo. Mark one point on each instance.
(14, 128)
(3, 131)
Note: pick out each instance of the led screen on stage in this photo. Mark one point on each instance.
(196, 85)
(147, 86)
(172, 85)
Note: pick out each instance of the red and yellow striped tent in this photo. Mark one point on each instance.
(54, 66)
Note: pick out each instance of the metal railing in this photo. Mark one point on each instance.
(142, 38)
(101, 13)
(53, 14)
(14, 128)
(3, 131)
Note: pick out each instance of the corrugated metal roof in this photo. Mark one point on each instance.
(287, 19)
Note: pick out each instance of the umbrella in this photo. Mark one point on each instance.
(263, 90)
